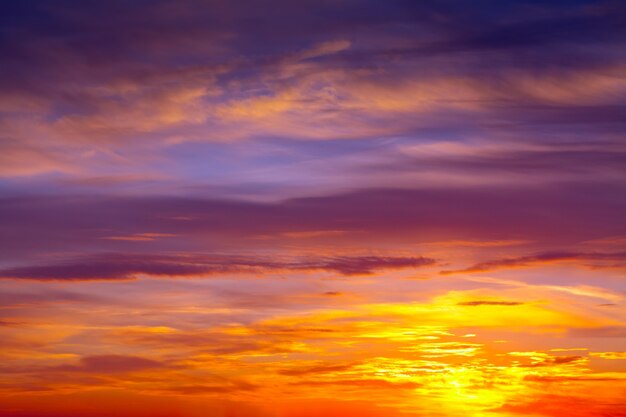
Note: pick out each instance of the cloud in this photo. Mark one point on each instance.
(556, 361)
(325, 48)
(365, 265)
(445, 349)
(8, 323)
(140, 237)
(569, 378)
(552, 405)
(198, 71)
(582, 258)
(110, 364)
(493, 162)
(608, 355)
(362, 383)
(233, 387)
(23, 160)
(547, 215)
(476, 303)
(40, 296)
(125, 266)
(318, 369)
(602, 332)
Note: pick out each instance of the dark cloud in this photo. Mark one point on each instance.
(235, 386)
(363, 383)
(110, 364)
(364, 265)
(124, 266)
(557, 360)
(318, 369)
(9, 323)
(548, 214)
(581, 258)
(568, 378)
(602, 332)
(489, 303)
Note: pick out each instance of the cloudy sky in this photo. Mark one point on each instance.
(331, 208)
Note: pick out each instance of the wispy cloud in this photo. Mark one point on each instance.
(124, 266)
(589, 259)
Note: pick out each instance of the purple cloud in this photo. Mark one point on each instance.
(124, 266)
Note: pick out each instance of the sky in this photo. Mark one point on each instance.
(274, 208)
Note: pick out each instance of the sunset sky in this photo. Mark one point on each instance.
(312, 208)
